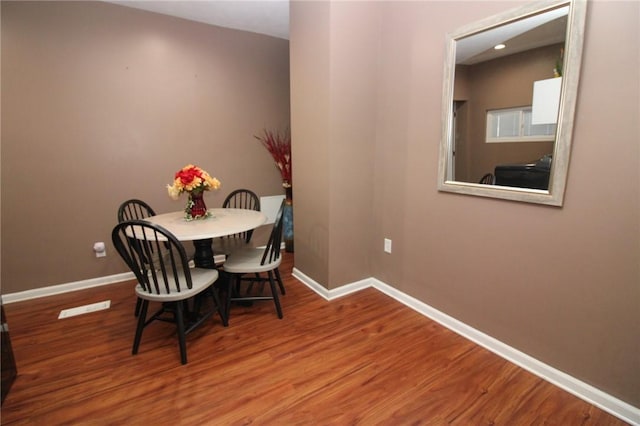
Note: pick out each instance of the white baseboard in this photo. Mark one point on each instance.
(66, 288)
(330, 294)
(582, 390)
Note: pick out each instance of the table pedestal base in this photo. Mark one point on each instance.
(203, 257)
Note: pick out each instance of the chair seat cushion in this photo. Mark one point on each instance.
(200, 278)
(247, 260)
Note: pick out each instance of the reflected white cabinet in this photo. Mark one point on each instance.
(546, 99)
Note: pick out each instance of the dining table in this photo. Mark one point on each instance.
(220, 222)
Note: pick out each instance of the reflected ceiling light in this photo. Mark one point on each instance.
(499, 46)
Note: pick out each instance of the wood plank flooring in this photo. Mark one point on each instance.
(362, 359)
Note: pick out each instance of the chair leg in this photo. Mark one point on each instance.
(181, 333)
(237, 286)
(250, 287)
(141, 321)
(279, 279)
(138, 306)
(274, 292)
(197, 304)
(230, 287)
(218, 304)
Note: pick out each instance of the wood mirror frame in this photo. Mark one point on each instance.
(554, 194)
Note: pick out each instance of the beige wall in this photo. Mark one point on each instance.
(560, 284)
(333, 107)
(101, 103)
(353, 80)
(310, 122)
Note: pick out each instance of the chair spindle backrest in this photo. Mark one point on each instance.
(242, 199)
(154, 255)
(488, 179)
(272, 250)
(134, 209)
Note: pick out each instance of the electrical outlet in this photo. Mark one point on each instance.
(100, 249)
(387, 245)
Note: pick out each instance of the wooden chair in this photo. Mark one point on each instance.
(249, 260)
(161, 266)
(242, 199)
(135, 209)
(488, 179)
(238, 199)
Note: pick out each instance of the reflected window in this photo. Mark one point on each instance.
(514, 125)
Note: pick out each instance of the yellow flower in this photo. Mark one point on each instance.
(174, 192)
(212, 182)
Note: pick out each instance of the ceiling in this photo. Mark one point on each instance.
(520, 35)
(270, 17)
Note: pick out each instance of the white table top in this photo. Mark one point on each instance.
(223, 222)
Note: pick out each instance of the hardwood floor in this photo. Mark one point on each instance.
(362, 359)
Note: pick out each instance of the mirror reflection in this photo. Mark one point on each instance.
(504, 114)
(495, 74)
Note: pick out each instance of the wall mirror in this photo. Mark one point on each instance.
(508, 112)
